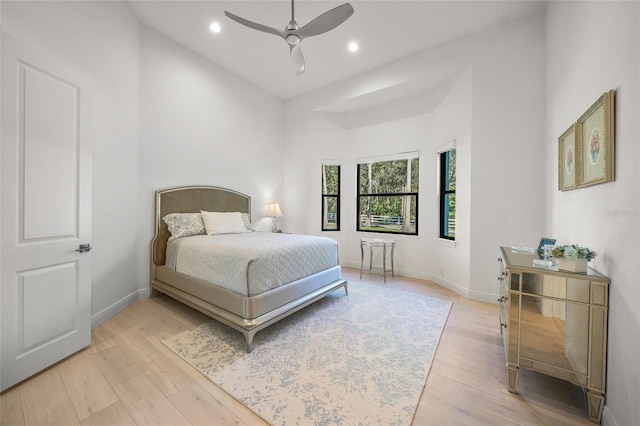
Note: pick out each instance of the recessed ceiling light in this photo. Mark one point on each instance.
(215, 27)
(353, 46)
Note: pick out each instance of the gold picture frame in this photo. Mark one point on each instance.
(567, 157)
(595, 143)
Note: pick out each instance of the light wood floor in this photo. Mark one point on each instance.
(128, 377)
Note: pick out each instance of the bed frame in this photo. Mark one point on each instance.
(245, 314)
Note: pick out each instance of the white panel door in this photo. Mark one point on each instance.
(46, 212)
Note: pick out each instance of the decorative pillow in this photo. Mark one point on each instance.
(184, 224)
(246, 218)
(223, 223)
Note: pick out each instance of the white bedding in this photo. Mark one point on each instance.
(251, 263)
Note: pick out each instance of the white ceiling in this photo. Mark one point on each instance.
(385, 30)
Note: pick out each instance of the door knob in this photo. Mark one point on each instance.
(83, 248)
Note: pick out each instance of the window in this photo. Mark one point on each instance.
(448, 194)
(330, 197)
(388, 196)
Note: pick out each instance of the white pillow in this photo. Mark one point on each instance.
(223, 223)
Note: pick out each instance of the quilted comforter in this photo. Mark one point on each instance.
(251, 263)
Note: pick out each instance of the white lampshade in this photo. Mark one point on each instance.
(274, 210)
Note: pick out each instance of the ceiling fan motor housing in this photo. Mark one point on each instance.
(293, 39)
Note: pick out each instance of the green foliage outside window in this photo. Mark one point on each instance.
(388, 196)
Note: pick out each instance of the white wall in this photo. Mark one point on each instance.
(501, 151)
(202, 125)
(593, 47)
(100, 40)
(452, 122)
(507, 149)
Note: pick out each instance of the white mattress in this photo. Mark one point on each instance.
(251, 263)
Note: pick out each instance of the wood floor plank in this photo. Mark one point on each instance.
(201, 408)
(115, 365)
(478, 379)
(499, 404)
(100, 339)
(123, 320)
(195, 318)
(428, 416)
(178, 361)
(114, 414)
(552, 394)
(45, 400)
(459, 408)
(146, 404)
(163, 373)
(227, 403)
(158, 320)
(11, 408)
(87, 388)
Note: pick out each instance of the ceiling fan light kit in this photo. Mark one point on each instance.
(294, 34)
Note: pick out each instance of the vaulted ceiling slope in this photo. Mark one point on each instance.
(386, 31)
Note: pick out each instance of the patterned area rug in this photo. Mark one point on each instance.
(345, 360)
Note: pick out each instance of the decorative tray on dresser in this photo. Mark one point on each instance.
(555, 322)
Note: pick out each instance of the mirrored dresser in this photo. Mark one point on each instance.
(554, 322)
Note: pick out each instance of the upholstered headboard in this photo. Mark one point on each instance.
(191, 199)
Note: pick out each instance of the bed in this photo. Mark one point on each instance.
(246, 311)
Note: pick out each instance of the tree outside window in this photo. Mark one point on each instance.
(330, 197)
(388, 196)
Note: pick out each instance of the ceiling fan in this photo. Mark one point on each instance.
(294, 34)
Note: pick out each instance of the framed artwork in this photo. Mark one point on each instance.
(567, 159)
(595, 143)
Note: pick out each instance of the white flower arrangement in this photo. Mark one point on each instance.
(573, 252)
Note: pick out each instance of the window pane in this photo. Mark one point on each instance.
(388, 213)
(388, 177)
(414, 175)
(450, 184)
(330, 197)
(330, 215)
(330, 179)
(449, 215)
(447, 194)
(363, 178)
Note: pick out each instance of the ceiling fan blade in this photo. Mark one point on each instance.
(255, 25)
(297, 59)
(326, 22)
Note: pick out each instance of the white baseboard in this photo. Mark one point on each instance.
(450, 285)
(453, 286)
(482, 296)
(144, 293)
(111, 310)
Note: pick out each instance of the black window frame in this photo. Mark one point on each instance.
(445, 191)
(325, 198)
(360, 196)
